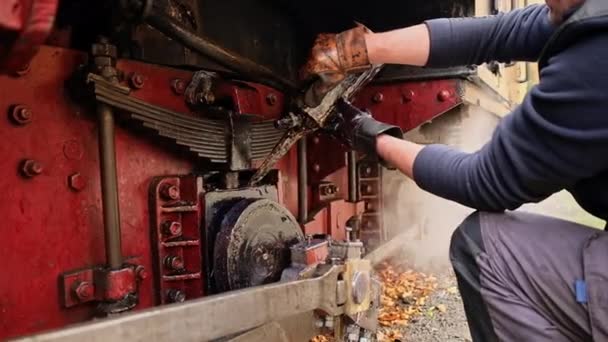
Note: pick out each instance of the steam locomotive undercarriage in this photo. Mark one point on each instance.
(133, 130)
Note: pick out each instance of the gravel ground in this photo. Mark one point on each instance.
(436, 326)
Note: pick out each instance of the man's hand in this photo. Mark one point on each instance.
(332, 58)
(359, 130)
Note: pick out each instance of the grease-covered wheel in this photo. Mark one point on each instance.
(252, 246)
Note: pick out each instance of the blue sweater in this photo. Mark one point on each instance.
(556, 139)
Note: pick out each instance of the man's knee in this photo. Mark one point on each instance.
(466, 241)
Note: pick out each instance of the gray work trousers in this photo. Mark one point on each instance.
(517, 273)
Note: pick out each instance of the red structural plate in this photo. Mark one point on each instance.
(410, 104)
(254, 99)
(30, 22)
(48, 227)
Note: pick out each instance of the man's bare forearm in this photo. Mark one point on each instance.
(399, 153)
(409, 46)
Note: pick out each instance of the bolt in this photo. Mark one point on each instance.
(141, 272)
(378, 97)
(443, 95)
(174, 262)
(30, 168)
(408, 95)
(369, 206)
(178, 86)
(21, 114)
(271, 99)
(316, 167)
(265, 256)
(77, 182)
(316, 140)
(83, 290)
(169, 192)
(176, 296)
(368, 171)
(368, 189)
(136, 81)
(361, 286)
(172, 228)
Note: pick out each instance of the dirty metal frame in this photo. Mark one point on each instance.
(312, 119)
(214, 316)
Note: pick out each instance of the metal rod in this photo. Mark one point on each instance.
(352, 176)
(217, 53)
(302, 182)
(109, 186)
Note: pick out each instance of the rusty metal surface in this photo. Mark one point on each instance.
(215, 316)
(252, 246)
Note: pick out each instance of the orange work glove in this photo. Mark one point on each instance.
(332, 58)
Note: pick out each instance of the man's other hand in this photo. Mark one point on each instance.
(359, 130)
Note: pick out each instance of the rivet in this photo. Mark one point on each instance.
(443, 95)
(378, 97)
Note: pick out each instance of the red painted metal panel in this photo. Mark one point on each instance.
(52, 218)
(49, 227)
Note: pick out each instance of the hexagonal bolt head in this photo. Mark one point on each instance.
(30, 168)
(77, 182)
(176, 296)
(83, 290)
(172, 228)
(174, 262)
(169, 192)
(136, 81)
(21, 115)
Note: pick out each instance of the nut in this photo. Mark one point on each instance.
(30, 168)
(174, 262)
(77, 182)
(378, 97)
(176, 296)
(178, 86)
(172, 228)
(316, 167)
(21, 114)
(169, 192)
(136, 81)
(84, 290)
